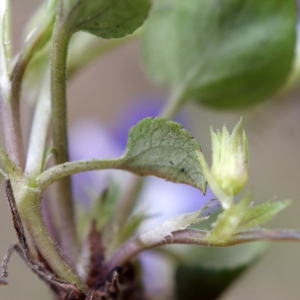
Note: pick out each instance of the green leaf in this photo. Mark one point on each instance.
(262, 213)
(207, 272)
(163, 148)
(101, 210)
(228, 54)
(125, 232)
(158, 233)
(106, 18)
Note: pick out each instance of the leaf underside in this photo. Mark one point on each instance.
(227, 54)
(108, 18)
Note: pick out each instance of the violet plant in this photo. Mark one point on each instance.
(227, 56)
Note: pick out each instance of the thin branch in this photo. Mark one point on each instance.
(64, 202)
(46, 276)
(5, 262)
(10, 107)
(63, 170)
(198, 237)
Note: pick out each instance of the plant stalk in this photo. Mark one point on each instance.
(29, 209)
(10, 105)
(198, 237)
(39, 132)
(65, 209)
(61, 171)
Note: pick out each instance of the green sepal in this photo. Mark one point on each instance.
(228, 222)
(262, 213)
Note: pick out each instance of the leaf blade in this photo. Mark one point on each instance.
(262, 213)
(162, 148)
(235, 54)
(107, 18)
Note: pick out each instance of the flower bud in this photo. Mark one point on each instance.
(230, 159)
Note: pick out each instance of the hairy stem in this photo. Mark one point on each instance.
(65, 209)
(198, 237)
(60, 171)
(29, 209)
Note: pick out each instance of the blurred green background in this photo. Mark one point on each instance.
(273, 129)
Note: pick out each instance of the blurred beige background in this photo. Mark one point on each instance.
(273, 130)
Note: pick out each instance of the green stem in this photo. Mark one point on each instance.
(60, 171)
(39, 132)
(9, 110)
(10, 107)
(225, 200)
(30, 210)
(198, 237)
(65, 209)
(174, 103)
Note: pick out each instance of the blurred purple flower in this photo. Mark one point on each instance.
(159, 199)
(90, 139)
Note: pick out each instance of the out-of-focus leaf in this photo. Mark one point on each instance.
(45, 10)
(5, 49)
(262, 213)
(36, 72)
(228, 54)
(41, 24)
(208, 272)
(101, 210)
(124, 233)
(105, 18)
(163, 148)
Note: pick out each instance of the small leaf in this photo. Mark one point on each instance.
(262, 213)
(125, 232)
(207, 272)
(101, 210)
(104, 207)
(158, 234)
(106, 18)
(227, 54)
(164, 149)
